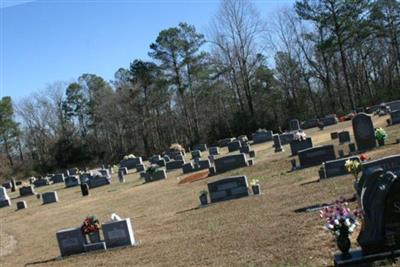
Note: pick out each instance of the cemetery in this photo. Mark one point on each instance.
(164, 214)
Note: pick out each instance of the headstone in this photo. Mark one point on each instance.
(330, 120)
(277, 143)
(201, 147)
(174, 164)
(105, 173)
(166, 158)
(214, 150)
(4, 198)
(70, 241)
(7, 185)
(196, 154)
(154, 159)
(41, 182)
(228, 188)
(131, 163)
(245, 149)
(49, 197)
(187, 167)
(294, 125)
(380, 200)
(394, 105)
(13, 185)
(395, 117)
(140, 168)
(230, 162)
(334, 135)
(333, 168)
(262, 136)
(118, 233)
(225, 142)
(364, 132)
(389, 163)
(98, 181)
(71, 181)
(286, 138)
(312, 123)
(297, 145)
(344, 137)
(26, 191)
(21, 205)
(58, 178)
(157, 175)
(234, 146)
(84, 190)
(316, 155)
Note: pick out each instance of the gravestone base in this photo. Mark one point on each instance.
(5, 203)
(101, 246)
(356, 258)
(21, 205)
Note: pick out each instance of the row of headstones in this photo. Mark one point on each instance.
(116, 233)
(47, 197)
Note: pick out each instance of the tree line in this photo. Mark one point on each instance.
(316, 58)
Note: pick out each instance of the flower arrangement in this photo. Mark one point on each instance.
(130, 156)
(353, 167)
(380, 134)
(254, 182)
(363, 157)
(340, 219)
(90, 225)
(299, 136)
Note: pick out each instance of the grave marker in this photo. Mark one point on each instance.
(364, 132)
(228, 188)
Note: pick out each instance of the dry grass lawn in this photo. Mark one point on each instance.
(253, 231)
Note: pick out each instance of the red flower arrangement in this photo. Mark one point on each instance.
(363, 157)
(90, 225)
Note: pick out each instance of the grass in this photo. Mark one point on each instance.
(253, 231)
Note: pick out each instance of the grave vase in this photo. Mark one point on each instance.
(256, 189)
(343, 243)
(94, 237)
(381, 142)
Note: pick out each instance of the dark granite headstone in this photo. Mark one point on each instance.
(84, 189)
(344, 137)
(312, 123)
(364, 132)
(174, 164)
(395, 117)
(230, 162)
(334, 135)
(294, 125)
(131, 162)
(70, 241)
(380, 201)
(228, 188)
(201, 147)
(316, 155)
(277, 143)
(234, 146)
(336, 167)
(262, 136)
(26, 191)
(297, 145)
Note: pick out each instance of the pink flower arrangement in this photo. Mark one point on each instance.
(340, 219)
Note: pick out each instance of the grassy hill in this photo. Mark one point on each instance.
(253, 231)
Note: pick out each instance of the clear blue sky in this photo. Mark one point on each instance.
(45, 41)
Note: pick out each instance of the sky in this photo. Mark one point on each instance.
(46, 41)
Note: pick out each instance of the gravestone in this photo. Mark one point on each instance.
(159, 174)
(395, 117)
(262, 136)
(228, 188)
(214, 150)
(312, 123)
(334, 135)
(49, 197)
(41, 182)
(230, 162)
(187, 167)
(4, 198)
(277, 143)
(364, 132)
(98, 181)
(166, 158)
(225, 142)
(13, 185)
(201, 147)
(316, 155)
(70, 241)
(344, 137)
(71, 181)
(196, 154)
(389, 163)
(297, 145)
(174, 164)
(26, 191)
(58, 178)
(245, 149)
(21, 205)
(234, 146)
(352, 148)
(84, 190)
(118, 233)
(394, 105)
(7, 185)
(123, 170)
(140, 168)
(330, 120)
(333, 168)
(286, 138)
(380, 200)
(105, 173)
(131, 163)
(294, 125)
(154, 159)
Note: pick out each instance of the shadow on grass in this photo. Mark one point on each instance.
(40, 262)
(320, 206)
(309, 182)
